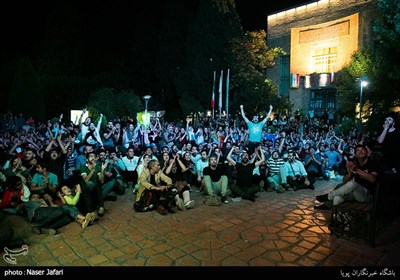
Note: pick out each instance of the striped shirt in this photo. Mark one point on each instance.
(274, 165)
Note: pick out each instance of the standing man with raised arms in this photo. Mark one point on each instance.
(255, 129)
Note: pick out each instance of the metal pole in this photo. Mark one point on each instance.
(146, 100)
(361, 91)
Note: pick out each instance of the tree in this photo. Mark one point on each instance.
(387, 57)
(171, 53)
(112, 103)
(348, 85)
(26, 95)
(207, 50)
(251, 56)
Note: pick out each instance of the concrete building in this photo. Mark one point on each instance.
(319, 39)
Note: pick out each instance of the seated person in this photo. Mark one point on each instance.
(15, 196)
(215, 179)
(313, 163)
(70, 200)
(47, 219)
(7, 234)
(274, 164)
(294, 175)
(45, 183)
(16, 168)
(360, 180)
(244, 186)
(92, 179)
(176, 171)
(152, 181)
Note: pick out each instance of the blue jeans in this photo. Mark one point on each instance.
(71, 210)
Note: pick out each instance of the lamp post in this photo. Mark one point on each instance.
(363, 83)
(146, 100)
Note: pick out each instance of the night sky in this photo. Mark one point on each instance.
(22, 23)
(253, 13)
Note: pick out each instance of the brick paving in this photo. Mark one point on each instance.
(276, 230)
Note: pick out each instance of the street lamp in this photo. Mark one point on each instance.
(146, 100)
(363, 83)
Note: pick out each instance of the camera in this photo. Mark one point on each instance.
(297, 177)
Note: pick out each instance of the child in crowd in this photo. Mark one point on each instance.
(70, 200)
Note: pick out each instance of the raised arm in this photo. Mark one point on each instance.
(229, 157)
(178, 159)
(268, 115)
(282, 142)
(61, 144)
(243, 115)
(262, 159)
(81, 117)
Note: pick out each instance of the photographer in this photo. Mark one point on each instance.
(294, 175)
(389, 139)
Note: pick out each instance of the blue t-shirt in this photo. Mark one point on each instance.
(255, 131)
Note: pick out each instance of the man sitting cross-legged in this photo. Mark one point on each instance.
(294, 174)
(215, 181)
(244, 186)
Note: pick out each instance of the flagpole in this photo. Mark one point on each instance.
(220, 93)
(213, 96)
(227, 95)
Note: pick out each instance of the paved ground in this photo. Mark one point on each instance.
(276, 230)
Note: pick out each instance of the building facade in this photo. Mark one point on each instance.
(319, 39)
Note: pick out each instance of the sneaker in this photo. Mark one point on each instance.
(280, 189)
(322, 207)
(93, 217)
(181, 205)
(189, 204)
(322, 198)
(49, 231)
(212, 200)
(101, 211)
(236, 199)
(87, 220)
(249, 197)
(224, 199)
(285, 186)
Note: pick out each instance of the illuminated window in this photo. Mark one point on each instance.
(324, 60)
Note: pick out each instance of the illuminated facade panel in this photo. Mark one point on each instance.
(324, 48)
(319, 39)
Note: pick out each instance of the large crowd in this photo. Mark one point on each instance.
(61, 170)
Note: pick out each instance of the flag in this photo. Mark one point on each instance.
(220, 93)
(227, 95)
(213, 95)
